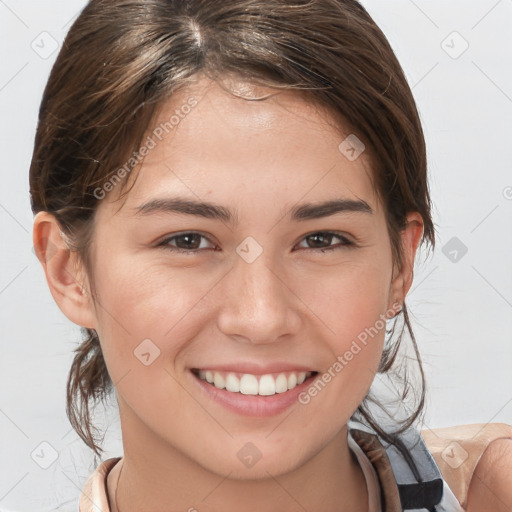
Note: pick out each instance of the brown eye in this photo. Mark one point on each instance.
(321, 240)
(184, 242)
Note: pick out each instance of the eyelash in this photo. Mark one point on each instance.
(346, 243)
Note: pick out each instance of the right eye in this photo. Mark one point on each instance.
(185, 242)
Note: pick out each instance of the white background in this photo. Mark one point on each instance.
(461, 310)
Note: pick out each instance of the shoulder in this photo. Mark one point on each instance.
(94, 495)
(490, 487)
(468, 456)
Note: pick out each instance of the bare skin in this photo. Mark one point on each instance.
(293, 303)
(490, 487)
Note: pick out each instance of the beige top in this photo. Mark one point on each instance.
(466, 441)
(448, 444)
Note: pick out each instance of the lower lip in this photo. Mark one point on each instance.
(254, 405)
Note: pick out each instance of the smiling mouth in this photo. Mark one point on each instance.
(249, 384)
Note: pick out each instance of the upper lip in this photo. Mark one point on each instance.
(254, 368)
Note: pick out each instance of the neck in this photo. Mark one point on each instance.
(156, 476)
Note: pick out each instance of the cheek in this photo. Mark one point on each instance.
(139, 297)
(145, 309)
(349, 307)
(141, 333)
(349, 299)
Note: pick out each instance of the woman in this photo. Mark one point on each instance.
(229, 198)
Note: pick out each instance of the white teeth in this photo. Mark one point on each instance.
(267, 385)
(232, 383)
(218, 380)
(281, 383)
(248, 384)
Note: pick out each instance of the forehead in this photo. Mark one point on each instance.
(268, 144)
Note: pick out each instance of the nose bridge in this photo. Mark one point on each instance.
(258, 305)
(258, 281)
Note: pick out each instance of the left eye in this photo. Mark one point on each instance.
(188, 242)
(328, 235)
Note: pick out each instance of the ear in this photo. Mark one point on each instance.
(63, 271)
(402, 278)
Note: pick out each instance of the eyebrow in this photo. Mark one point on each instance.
(306, 211)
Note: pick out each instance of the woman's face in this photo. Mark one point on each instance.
(232, 266)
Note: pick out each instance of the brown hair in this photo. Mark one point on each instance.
(122, 58)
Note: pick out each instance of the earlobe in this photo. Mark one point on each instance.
(63, 271)
(410, 237)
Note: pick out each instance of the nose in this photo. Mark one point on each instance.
(258, 303)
